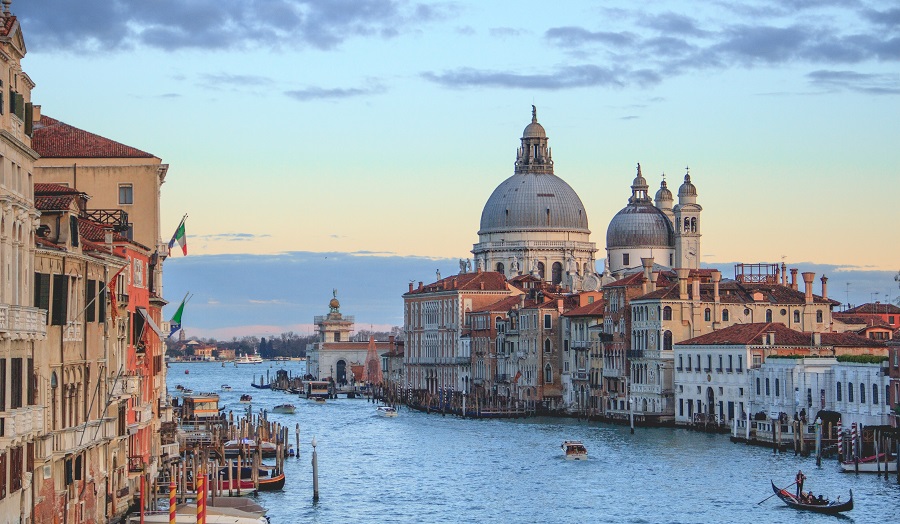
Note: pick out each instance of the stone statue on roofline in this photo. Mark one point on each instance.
(479, 264)
(462, 266)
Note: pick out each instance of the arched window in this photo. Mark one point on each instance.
(501, 268)
(757, 385)
(819, 316)
(839, 396)
(849, 391)
(796, 316)
(687, 224)
(707, 314)
(693, 224)
(547, 346)
(768, 391)
(777, 388)
(874, 393)
(862, 393)
(541, 269)
(768, 315)
(667, 313)
(548, 374)
(557, 273)
(667, 340)
(724, 315)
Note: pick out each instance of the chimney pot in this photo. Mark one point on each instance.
(808, 278)
(794, 278)
(716, 278)
(682, 282)
(410, 287)
(824, 287)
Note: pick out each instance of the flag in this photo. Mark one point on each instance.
(111, 289)
(517, 377)
(179, 237)
(175, 323)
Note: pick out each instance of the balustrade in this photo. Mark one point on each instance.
(20, 322)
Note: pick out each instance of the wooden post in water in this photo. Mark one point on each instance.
(315, 471)
(818, 442)
(297, 436)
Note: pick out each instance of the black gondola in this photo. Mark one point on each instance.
(831, 508)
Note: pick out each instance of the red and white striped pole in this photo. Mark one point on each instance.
(172, 502)
(201, 497)
(853, 439)
(840, 437)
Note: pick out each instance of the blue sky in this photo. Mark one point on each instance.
(364, 126)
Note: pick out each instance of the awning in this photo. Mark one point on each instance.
(152, 324)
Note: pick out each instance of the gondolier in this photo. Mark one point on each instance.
(799, 480)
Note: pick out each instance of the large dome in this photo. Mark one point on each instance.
(533, 202)
(640, 225)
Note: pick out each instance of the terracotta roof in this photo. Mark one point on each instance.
(732, 292)
(54, 189)
(7, 26)
(54, 203)
(483, 281)
(849, 319)
(55, 139)
(752, 334)
(94, 232)
(594, 309)
(874, 309)
(500, 306)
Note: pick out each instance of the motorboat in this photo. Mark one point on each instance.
(386, 411)
(318, 400)
(233, 447)
(287, 409)
(574, 450)
(246, 399)
(871, 465)
(226, 387)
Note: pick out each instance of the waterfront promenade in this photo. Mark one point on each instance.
(433, 468)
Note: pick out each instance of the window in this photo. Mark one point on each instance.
(819, 316)
(768, 391)
(2, 475)
(547, 346)
(501, 268)
(707, 315)
(15, 393)
(680, 362)
(689, 363)
(777, 388)
(796, 316)
(548, 374)
(42, 291)
(626, 259)
(667, 341)
(15, 469)
(740, 363)
(59, 313)
(757, 386)
(90, 311)
(126, 194)
(874, 393)
(32, 382)
(73, 230)
(667, 313)
(730, 361)
(850, 392)
(724, 315)
(838, 392)
(769, 315)
(2, 384)
(548, 322)
(862, 393)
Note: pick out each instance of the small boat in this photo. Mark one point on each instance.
(284, 408)
(226, 387)
(187, 391)
(831, 508)
(261, 386)
(187, 371)
(318, 400)
(233, 447)
(871, 465)
(246, 399)
(574, 450)
(386, 411)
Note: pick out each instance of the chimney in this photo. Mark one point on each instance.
(420, 285)
(784, 274)
(794, 279)
(391, 340)
(682, 282)
(410, 287)
(453, 282)
(559, 305)
(716, 278)
(648, 269)
(522, 300)
(824, 287)
(817, 339)
(696, 288)
(480, 286)
(653, 277)
(808, 278)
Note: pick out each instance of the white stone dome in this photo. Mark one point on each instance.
(533, 202)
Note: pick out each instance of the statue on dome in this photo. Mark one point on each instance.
(514, 266)
(533, 113)
(468, 265)
(479, 264)
(462, 266)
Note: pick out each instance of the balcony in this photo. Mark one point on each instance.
(110, 217)
(612, 372)
(501, 377)
(22, 323)
(72, 332)
(170, 450)
(23, 422)
(635, 353)
(463, 361)
(581, 375)
(581, 344)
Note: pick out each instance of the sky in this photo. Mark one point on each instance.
(351, 144)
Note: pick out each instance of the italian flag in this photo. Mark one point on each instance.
(179, 237)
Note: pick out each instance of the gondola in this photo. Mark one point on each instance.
(832, 508)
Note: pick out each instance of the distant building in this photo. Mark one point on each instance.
(582, 363)
(333, 356)
(871, 314)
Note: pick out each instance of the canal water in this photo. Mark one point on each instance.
(431, 468)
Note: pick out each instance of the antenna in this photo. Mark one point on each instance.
(847, 303)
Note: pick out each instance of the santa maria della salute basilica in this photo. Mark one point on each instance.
(534, 223)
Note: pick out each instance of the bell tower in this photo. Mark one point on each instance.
(687, 225)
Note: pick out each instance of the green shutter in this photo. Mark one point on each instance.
(29, 118)
(20, 106)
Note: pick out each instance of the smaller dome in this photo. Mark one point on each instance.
(663, 193)
(334, 304)
(687, 189)
(534, 130)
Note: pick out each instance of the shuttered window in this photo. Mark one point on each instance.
(2, 384)
(42, 291)
(91, 299)
(15, 390)
(60, 300)
(101, 302)
(32, 382)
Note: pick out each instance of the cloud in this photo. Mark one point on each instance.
(267, 302)
(562, 78)
(320, 93)
(875, 84)
(505, 32)
(629, 117)
(231, 237)
(171, 25)
(229, 79)
(571, 36)
(674, 23)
